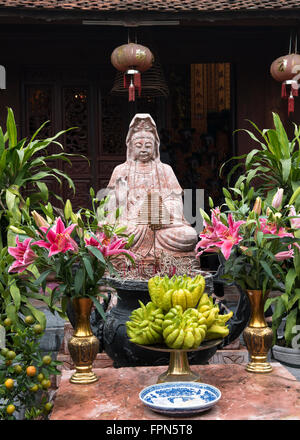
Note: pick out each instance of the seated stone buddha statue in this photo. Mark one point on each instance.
(150, 196)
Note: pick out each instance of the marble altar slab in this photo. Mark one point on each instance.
(245, 396)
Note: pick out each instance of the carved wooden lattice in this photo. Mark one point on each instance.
(39, 110)
(114, 125)
(75, 106)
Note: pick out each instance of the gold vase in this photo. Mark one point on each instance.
(83, 345)
(257, 335)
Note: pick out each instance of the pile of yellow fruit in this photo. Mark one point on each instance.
(179, 314)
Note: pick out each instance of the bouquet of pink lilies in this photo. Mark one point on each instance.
(255, 245)
(76, 251)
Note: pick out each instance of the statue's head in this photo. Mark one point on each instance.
(142, 139)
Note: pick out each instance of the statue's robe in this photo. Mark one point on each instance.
(129, 187)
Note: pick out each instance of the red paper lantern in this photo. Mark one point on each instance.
(285, 69)
(132, 59)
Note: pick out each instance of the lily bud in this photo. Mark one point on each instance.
(39, 220)
(257, 206)
(277, 199)
(269, 212)
(245, 251)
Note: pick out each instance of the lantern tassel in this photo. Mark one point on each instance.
(137, 82)
(283, 90)
(131, 92)
(295, 89)
(126, 81)
(291, 104)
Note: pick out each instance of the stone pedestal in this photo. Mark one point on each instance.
(245, 396)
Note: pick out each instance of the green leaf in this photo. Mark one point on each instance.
(205, 216)
(88, 266)
(97, 253)
(289, 280)
(259, 237)
(10, 199)
(230, 204)
(291, 321)
(250, 156)
(269, 302)
(16, 296)
(11, 313)
(295, 297)
(64, 303)
(282, 136)
(44, 190)
(267, 269)
(11, 129)
(69, 180)
(79, 280)
(98, 307)
(42, 277)
(2, 142)
(286, 168)
(250, 175)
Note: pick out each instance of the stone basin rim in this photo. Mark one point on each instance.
(139, 284)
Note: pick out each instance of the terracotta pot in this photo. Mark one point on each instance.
(83, 345)
(257, 335)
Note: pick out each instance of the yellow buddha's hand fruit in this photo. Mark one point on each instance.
(217, 331)
(145, 324)
(183, 329)
(178, 290)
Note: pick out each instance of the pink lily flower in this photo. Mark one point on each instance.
(220, 236)
(109, 246)
(271, 228)
(230, 236)
(59, 239)
(284, 255)
(209, 236)
(295, 222)
(23, 254)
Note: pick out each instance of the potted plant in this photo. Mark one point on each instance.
(286, 314)
(78, 253)
(275, 167)
(249, 247)
(23, 167)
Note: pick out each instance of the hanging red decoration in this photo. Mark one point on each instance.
(132, 59)
(286, 69)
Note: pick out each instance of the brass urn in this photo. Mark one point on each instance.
(83, 345)
(257, 335)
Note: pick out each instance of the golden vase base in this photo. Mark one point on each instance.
(186, 376)
(84, 378)
(259, 367)
(179, 369)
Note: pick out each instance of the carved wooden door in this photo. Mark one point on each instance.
(80, 98)
(64, 99)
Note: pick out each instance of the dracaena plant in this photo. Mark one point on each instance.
(23, 168)
(275, 163)
(77, 249)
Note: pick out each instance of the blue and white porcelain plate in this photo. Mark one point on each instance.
(180, 397)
